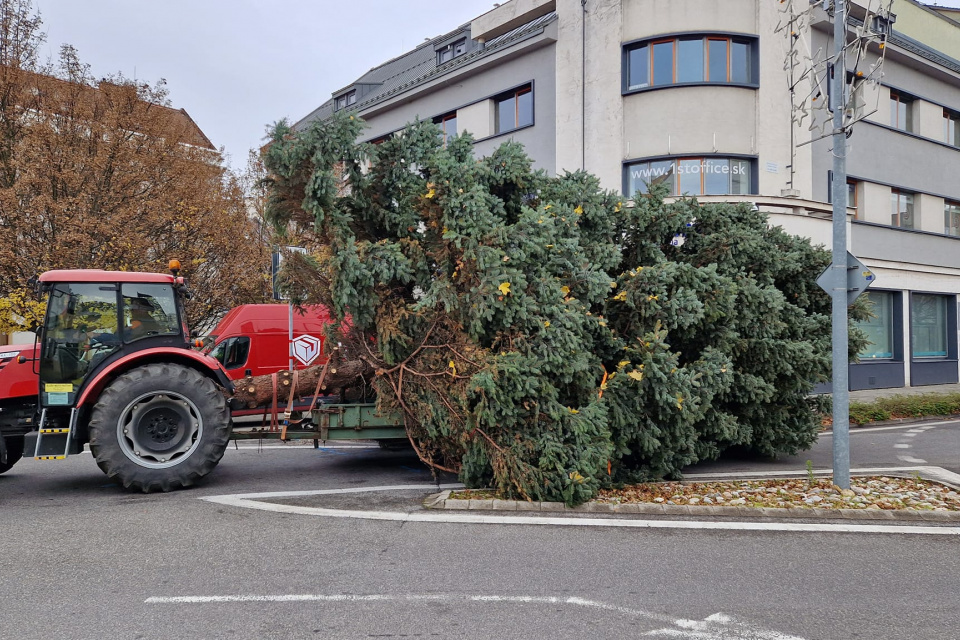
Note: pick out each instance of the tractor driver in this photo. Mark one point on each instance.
(142, 323)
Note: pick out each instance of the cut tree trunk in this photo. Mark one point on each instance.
(257, 391)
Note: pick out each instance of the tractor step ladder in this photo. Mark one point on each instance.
(53, 443)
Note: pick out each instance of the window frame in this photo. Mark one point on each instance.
(951, 120)
(893, 299)
(514, 94)
(673, 64)
(898, 193)
(675, 175)
(899, 98)
(706, 66)
(949, 342)
(345, 100)
(947, 205)
(441, 121)
(852, 203)
(706, 37)
(452, 49)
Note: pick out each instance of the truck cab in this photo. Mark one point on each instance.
(255, 339)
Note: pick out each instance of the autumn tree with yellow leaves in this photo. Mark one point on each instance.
(539, 334)
(107, 175)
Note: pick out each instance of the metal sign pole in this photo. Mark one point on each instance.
(841, 359)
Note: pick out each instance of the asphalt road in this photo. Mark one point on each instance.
(927, 443)
(84, 559)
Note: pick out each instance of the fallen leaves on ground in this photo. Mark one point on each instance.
(884, 492)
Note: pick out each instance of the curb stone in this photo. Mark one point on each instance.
(434, 499)
(686, 510)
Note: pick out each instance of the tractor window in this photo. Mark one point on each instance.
(149, 310)
(80, 330)
(232, 352)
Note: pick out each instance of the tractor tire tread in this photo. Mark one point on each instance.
(214, 437)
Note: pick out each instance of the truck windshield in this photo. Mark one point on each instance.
(80, 330)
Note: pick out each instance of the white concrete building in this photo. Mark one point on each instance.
(698, 93)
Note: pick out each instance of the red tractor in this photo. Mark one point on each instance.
(116, 371)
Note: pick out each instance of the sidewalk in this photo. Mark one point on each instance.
(869, 395)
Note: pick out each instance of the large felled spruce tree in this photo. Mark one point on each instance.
(538, 334)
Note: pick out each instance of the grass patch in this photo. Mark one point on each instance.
(915, 406)
(898, 406)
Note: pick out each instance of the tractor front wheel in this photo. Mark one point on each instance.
(159, 427)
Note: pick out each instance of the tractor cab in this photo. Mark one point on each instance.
(93, 319)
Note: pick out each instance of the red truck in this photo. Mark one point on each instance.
(258, 339)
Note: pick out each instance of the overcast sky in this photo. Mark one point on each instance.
(238, 65)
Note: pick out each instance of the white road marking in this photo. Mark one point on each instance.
(715, 627)
(253, 501)
(916, 431)
(331, 492)
(912, 434)
(900, 445)
(912, 460)
(913, 425)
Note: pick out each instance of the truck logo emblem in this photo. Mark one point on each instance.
(306, 349)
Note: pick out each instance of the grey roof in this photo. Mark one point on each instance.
(922, 50)
(420, 65)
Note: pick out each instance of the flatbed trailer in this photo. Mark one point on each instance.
(359, 421)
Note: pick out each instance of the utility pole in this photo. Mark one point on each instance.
(841, 358)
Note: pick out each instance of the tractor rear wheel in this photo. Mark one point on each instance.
(159, 427)
(14, 452)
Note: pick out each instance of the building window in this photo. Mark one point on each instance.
(951, 218)
(928, 325)
(344, 101)
(689, 60)
(692, 176)
(879, 328)
(451, 51)
(951, 127)
(448, 126)
(514, 109)
(901, 111)
(853, 186)
(852, 197)
(901, 205)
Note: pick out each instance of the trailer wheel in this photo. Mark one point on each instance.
(159, 427)
(14, 452)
